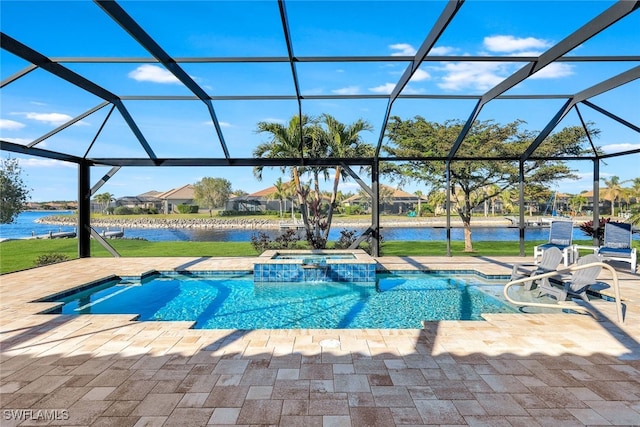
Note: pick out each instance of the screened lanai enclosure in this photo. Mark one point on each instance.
(114, 85)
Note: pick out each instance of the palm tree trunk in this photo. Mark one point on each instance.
(332, 202)
(301, 201)
(317, 213)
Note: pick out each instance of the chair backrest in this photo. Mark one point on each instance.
(617, 235)
(551, 257)
(561, 233)
(586, 276)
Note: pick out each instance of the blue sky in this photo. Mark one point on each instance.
(39, 102)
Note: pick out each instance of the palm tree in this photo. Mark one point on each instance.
(280, 193)
(577, 202)
(614, 190)
(342, 141)
(286, 142)
(437, 199)
(635, 209)
(306, 137)
(104, 199)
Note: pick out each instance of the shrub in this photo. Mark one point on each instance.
(587, 228)
(347, 237)
(241, 213)
(261, 242)
(186, 209)
(288, 239)
(353, 210)
(51, 258)
(123, 210)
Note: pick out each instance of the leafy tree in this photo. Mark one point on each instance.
(103, 200)
(418, 137)
(212, 192)
(13, 190)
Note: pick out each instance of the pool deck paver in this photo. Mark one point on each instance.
(512, 369)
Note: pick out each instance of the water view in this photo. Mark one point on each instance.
(25, 226)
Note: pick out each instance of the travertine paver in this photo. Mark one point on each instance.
(511, 370)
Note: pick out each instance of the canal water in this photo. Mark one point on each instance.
(25, 227)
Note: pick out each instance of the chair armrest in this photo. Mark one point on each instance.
(518, 265)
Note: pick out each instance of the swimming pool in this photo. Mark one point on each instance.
(235, 301)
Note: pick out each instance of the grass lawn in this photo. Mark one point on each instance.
(21, 254)
(18, 255)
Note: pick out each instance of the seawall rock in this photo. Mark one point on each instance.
(256, 223)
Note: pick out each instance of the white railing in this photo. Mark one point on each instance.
(568, 304)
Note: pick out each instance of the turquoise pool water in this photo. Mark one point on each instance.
(234, 301)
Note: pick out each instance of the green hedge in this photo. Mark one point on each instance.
(187, 209)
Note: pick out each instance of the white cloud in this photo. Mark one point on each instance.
(45, 163)
(408, 90)
(402, 49)
(514, 44)
(55, 119)
(349, 90)
(474, 75)
(420, 75)
(441, 50)
(554, 71)
(10, 124)
(152, 73)
(21, 141)
(385, 88)
(616, 148)
(222, 124)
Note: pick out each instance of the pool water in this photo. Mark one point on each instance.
(396, 301)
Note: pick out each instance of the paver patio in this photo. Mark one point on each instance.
(512, 369)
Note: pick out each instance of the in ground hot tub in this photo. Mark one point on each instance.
(348, 265)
